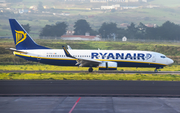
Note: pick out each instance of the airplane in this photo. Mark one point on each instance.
(27, 48)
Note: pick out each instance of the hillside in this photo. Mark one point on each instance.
(167, 10)
(166, 3)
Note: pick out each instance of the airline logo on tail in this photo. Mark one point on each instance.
(20, 36)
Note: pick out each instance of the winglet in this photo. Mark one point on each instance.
(67, 52)
(69, 47)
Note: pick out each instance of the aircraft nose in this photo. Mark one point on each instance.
(170, 61)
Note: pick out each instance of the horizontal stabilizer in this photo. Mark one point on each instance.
(20, 51)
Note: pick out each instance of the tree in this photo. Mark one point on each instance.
(60, 28)
(113, 10)
(81, 27)
(132, 31)
(142, 28)
(93, 32)
(54, 30)
(40, 6)
(141, 31)
(152, 33)
(107, 29)
(169, 30)
(27, 28)
(121, 33)
(46, 31)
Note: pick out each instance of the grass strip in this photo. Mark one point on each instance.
(75, 68)
(89, 76)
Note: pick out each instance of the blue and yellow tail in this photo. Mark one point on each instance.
(22, 39)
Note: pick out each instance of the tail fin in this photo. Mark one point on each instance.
(22, 39)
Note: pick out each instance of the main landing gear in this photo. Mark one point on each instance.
(90, 69)
(155, 70)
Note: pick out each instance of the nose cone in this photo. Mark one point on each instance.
(170, 61)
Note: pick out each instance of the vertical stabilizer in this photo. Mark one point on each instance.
(22, 39)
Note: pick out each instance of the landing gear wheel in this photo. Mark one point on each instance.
(155, 70)
(90, 69)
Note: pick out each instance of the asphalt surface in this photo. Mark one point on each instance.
(90, 88)
(120, 72)
(89, 105)
(25, 96)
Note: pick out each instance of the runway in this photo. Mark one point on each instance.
(89, 105)
(90, 88)
(120, 72)
(39, 96)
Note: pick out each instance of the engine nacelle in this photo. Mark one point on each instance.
(108, 66)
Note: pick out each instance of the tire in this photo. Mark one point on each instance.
(90, 69)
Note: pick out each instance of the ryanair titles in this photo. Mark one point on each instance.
(122, 56)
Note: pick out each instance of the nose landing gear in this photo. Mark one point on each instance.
(157, 68)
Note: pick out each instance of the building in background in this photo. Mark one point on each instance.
(2, 3)
(117, 1)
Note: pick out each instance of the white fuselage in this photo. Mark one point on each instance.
(124, 58)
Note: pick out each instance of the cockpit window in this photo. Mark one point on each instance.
(163, 56)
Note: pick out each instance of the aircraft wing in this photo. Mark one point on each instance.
(87, 62)
(82, 61)
(69, 47)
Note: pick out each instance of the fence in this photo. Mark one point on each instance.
(143, 40)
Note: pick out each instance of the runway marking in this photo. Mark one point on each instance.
(74, 105)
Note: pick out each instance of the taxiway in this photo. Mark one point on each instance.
(90, 88)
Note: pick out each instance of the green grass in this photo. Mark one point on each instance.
(88, 76)
(75, 68)
(167, 49)
(42, 67)
(84, 75)
(95, 44)
(5, 33)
